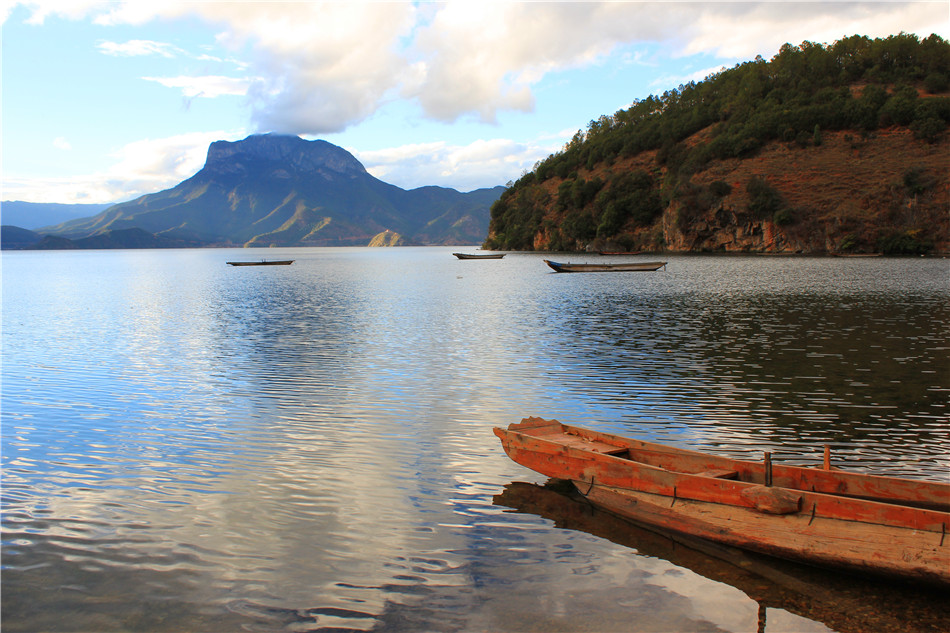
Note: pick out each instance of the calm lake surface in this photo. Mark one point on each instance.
(189, 446)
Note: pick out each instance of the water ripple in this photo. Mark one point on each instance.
(188, 446)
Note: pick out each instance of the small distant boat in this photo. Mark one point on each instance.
(479, 255)
(264, 262)
(604, 268)
(822, 516)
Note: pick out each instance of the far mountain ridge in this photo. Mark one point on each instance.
(13, 237)
(278, 190)
(35, 215)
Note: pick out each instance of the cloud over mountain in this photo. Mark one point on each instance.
(318, 68)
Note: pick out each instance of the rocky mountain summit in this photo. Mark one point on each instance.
(286, 155)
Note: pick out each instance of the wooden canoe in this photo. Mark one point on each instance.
(264, 262)
(479, 256)
(884, 525)
(605, 268)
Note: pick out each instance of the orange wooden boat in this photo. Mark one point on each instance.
(884, 525)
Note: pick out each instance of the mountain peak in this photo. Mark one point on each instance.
(275, 190)
(304, 156)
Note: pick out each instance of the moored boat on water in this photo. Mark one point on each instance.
(884, 525)
(479, 255)
(264, 262)
(561, 267)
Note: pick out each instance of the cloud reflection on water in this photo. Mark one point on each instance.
(188, 446)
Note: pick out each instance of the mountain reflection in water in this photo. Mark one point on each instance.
(844, 602)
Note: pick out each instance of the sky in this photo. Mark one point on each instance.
(107, 101)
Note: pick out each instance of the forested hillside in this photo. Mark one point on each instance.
(824, 148)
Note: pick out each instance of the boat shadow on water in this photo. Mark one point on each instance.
(842, 601)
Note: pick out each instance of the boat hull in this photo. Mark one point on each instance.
(487, 256)
(605, 268)
(276, 262)
(889, 535)
(878, 549)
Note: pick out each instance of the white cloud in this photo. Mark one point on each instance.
(697, 76)
(61, 143)
(141, 167)
(137, 48)
(152, 165)
(70, 9)
(166, 160)
(319, 68)
(479, 58)
(744, 30)
(324, 67)
(208, 86)
(139, 12)
(331, 65)
(483, 163)
(91, 189)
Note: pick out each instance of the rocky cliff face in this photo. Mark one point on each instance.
(388, 238)
(284, 154)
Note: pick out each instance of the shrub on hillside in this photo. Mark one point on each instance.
(916, 181)
(764, 199)
(936, 82)
(720, 189)
(906, 243)
(928, 129)
(579, 226)
(784, 217)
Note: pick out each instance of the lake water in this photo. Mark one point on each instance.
(189, 446)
